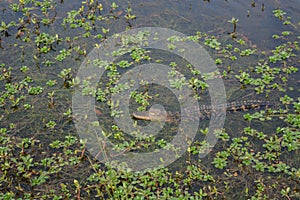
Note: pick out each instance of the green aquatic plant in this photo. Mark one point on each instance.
(257, 152)
(5, 27)
(234, 22)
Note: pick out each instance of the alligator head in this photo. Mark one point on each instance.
(153, 114)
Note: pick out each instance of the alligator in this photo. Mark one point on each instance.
(205, 111)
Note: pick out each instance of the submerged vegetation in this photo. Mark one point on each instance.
(42, 157)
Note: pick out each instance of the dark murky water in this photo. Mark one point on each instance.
(256, 25)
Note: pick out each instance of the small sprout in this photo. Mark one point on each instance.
(51, 83)
(51, 124)
(114, 6)
(285, 33)
(218, 61)
(68, 113)
(35, 90)
(24, 69)
(234, 21)
(27, 106)
(105, 31)
(51, 102)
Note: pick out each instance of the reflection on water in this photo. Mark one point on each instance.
(255, 23)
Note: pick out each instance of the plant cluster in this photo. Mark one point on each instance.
(43, 158)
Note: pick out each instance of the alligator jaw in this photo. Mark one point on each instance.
(141, 115)
(153, 114)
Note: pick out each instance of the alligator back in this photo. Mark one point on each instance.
(205, 111)
(236, 105)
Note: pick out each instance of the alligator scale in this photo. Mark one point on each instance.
(205, 111)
